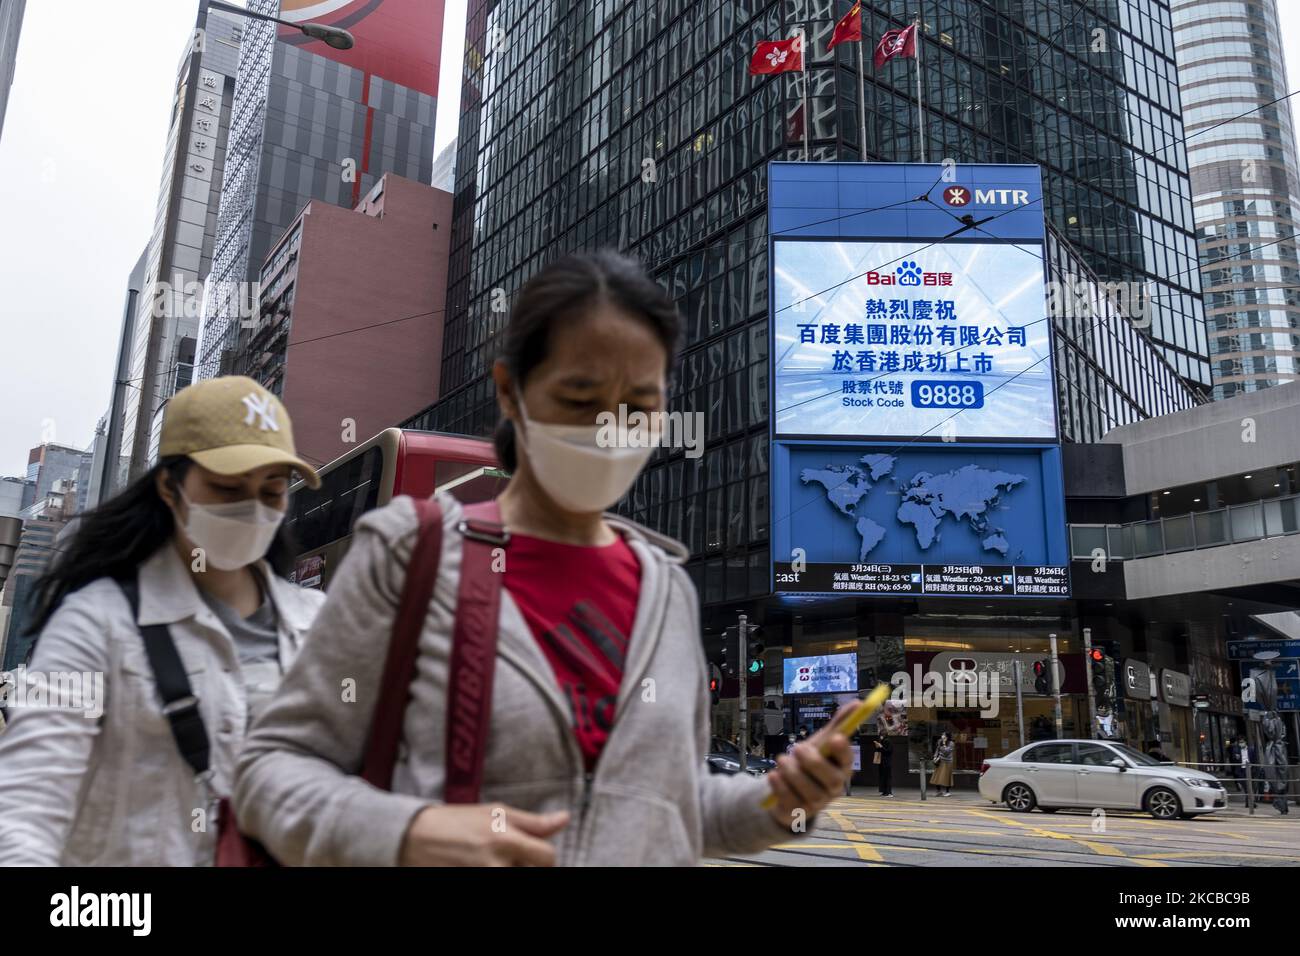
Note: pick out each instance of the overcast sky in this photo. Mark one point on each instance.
(81, 161)
(80, 167)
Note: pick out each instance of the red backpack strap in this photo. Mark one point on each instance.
(403, 648)
(473, 654)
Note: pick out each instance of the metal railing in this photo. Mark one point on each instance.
(1235, 524)
(1247, 781)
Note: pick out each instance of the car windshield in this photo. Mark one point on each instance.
(1137, 756)
(721, 746)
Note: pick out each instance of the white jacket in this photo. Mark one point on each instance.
(111, 789)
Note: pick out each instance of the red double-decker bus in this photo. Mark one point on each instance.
(394, 462)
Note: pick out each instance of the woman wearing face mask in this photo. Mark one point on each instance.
(594, 749)
(176, 582)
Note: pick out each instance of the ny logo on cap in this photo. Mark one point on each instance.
(260, 406)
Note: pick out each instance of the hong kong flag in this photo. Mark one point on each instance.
(777, 56)
(849, 28)
(895, 43)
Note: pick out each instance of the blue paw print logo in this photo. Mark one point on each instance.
(909, 273)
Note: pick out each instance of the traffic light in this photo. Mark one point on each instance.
(1103, 677)
(715, 684)
(1043, 676)
(755, 658)
(1097, 668)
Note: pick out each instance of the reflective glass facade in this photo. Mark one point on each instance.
(1242, 149)
(638, 126)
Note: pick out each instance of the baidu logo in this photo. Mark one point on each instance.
(909, 273)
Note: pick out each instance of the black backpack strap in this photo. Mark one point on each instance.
(179, 705)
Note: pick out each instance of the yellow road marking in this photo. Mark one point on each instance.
(1040, 831)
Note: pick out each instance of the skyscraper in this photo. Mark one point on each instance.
(166, 317)
(1245, 187)
(638, 126)
(11, 24)
(313, 123)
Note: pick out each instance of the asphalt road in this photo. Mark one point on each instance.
(964, 830)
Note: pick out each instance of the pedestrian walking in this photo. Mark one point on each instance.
(171, 600)
(942, 775)
(1238, 755)
(582, 741)
(883, 758)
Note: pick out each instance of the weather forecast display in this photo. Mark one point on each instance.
(899, 339)
(955, 520)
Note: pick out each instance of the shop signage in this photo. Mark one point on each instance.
(1136, 680)
(1176, 688)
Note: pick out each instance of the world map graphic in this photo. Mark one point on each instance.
(966, 495)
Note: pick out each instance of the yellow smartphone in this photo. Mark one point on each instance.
(851, 722)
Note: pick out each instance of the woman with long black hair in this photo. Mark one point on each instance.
(595, 703)
(163, 626)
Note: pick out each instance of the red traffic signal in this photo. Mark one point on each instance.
(713, 683)
(1039, 667)
(1096, 654)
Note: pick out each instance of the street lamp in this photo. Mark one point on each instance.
(336, 37)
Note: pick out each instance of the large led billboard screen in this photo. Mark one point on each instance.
(957, 520)
(914, 441)
(878, 339)
(823, 674)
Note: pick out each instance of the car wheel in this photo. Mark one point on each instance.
(1019, 797)
(1162, 803)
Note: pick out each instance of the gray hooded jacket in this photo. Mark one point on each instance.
(649, 801)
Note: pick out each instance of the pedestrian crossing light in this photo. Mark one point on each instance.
(755, 657)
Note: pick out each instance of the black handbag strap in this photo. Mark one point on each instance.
(179, 704)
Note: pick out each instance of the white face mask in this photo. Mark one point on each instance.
(232, 535)
(576, 469)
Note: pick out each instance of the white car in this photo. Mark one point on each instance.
(1087, 774)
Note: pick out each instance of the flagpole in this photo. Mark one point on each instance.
(862, 95)
(920, 104)
(807, 74)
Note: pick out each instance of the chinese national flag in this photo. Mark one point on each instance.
(849, 28)
(895, 43)
(777, 56)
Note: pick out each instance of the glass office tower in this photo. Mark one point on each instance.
(638, 126)
(1242, 150)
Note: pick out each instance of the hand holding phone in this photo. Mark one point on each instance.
(846, 725)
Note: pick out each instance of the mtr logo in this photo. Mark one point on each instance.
(964, 196)
(909, 273)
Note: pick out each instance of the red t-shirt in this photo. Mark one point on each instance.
(580, 603)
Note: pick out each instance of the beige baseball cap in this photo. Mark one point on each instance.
(231, 425)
